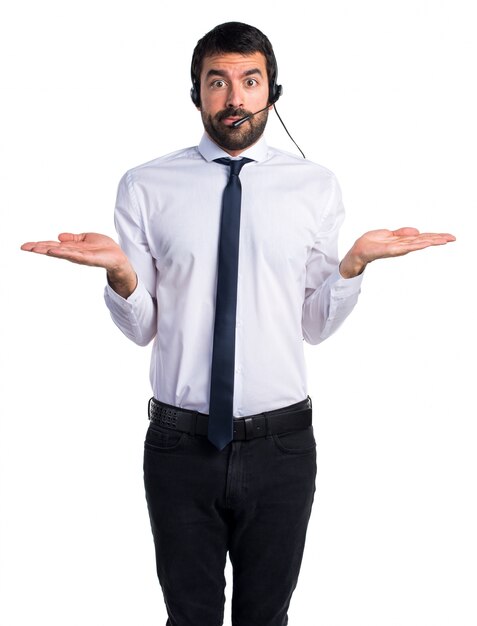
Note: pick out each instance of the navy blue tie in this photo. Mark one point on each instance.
(220, 430)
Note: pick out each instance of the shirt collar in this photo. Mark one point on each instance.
(210, 150)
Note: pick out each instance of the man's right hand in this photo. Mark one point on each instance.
(95, 250)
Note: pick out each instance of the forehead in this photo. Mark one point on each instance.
(233, 62)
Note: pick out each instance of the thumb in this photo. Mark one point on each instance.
(405, 232)
(66, 237)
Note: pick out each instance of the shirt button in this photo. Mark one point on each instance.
(238, 370)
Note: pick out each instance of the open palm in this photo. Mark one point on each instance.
(85, 248)
(379, 244)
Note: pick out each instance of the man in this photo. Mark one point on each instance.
(228, 260)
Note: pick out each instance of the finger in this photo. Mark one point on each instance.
(39, 246)
(64, 251)
(73, 255)
(446, 236)
(405, 247)
(28, 246)
(434, 238)
(429, 238)
(407, 234)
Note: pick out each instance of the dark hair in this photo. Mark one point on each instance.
(232, 37)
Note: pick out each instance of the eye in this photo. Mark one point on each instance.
(218, 84)
(251, 82)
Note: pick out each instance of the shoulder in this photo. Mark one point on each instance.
(173, 159)
(298, 164)
(299, 173)
(152, 177)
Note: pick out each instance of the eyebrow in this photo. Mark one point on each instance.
(213, 72)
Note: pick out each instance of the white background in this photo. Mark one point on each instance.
(382, 93)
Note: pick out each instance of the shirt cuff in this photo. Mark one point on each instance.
(345, 286)
(124, 303)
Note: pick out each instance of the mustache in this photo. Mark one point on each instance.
(231, 112)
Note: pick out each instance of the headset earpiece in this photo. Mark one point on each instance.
(195, 93)
(275, 92)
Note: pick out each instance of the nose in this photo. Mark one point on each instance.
(235, 96)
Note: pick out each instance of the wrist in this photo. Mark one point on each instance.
(351, 266)
(122, 279)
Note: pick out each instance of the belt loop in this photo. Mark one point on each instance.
(149, 409)
(268, 427)
(248, 423)
(193, 423)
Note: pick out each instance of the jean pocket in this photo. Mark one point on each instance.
(160, 438)
(296, 441)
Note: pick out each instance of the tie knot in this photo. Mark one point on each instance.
(234, 164)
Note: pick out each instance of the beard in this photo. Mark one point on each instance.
(230, 138)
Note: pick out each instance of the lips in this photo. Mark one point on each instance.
(228, 121)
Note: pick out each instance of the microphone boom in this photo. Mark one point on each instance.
(239, 122)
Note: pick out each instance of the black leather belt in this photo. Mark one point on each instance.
(294, 417)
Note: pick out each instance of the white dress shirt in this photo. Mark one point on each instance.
(289, 287)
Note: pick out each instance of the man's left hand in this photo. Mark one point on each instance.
(380, 244)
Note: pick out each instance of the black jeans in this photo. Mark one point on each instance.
(253, 499)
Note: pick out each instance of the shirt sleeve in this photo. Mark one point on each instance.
(135, 316)
(329, 298)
